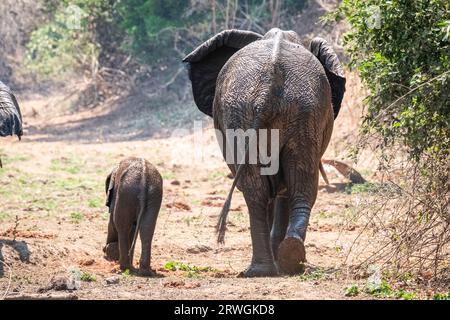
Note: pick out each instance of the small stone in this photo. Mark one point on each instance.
(62, 282)
(112, 280)
(175, 183)
(199, 249)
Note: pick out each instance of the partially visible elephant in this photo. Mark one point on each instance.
(134, 194)
(248, 81)
(10, 115)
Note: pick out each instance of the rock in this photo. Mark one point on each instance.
(112, 280)
(175, 183)
(198, 249)
(62, 282)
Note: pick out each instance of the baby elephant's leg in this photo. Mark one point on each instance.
(146, 233)
(111, 251)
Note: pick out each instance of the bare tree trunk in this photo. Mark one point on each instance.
(227, 15)
(275, 7)
(235, 8)
(214, 26)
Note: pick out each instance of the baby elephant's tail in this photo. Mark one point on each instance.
(142, 205)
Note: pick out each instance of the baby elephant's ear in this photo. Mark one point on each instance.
(109, 187)
(333, 69)
(205, 63)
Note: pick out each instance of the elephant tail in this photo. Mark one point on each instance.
(222, 224)
(142, 207)
(323, 173)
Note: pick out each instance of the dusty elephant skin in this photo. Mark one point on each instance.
(134, 194)
(248, 81)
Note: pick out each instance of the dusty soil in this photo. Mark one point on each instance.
(53, 220)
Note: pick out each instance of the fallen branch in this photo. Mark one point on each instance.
(347, 171)
(36, 296)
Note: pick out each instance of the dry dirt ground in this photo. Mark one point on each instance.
(52, 203)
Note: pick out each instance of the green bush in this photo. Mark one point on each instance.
(150, 24)
(68, 42)
(402, 52)
(56, 49)
(401, 49)
(157, 32)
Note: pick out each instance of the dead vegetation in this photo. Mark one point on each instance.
(405, 225)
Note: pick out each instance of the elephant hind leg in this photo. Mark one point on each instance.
(291, 254)
(291, 251)
(146, 233)
(280, 223)
(124, 246)
(302, 189)
(111, 249)
(257, 198)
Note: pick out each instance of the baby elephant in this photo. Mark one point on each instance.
(134, 194)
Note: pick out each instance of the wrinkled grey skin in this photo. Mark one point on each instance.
(272, 82)
(10, 115)
(134, 195)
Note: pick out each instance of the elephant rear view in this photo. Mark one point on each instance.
(246, 81)
(134, 195)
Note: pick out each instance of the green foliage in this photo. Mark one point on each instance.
(367, 187)
(352, 291)
(158, 32)
(4, 216)
(191, 271)
(88, 277)
(402, 51)
(385, 290)
(313, 275)
(64, 45)
(381, 290)
(405, 295)
(126, 274)
(296, 5)
(76, 217)
(149, 24)
(94, 203)
(161, 30)
(168, 175)
(71, 165)
(441, 296)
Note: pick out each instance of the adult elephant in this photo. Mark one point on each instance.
(10, 115)
(248, 81)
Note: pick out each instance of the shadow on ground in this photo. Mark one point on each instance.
(129, 118)
(21, 247)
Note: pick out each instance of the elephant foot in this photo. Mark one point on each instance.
(259, 270)
(291, 255)
(111, 251)
(146, 273)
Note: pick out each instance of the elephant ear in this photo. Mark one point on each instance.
(333, 69)
(205, 63)
(109, 186)
(10, 115)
